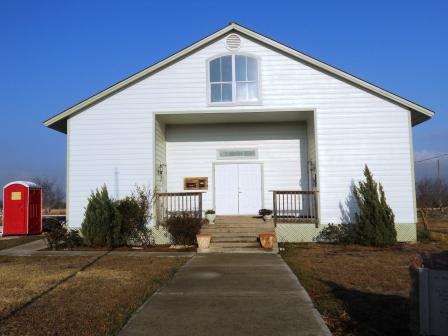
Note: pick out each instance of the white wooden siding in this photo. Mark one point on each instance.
(108, 148)
(311, 148)
(191, 151)
(352, 128)
(160, 155)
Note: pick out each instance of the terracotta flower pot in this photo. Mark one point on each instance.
(267, 239)
(203, 240)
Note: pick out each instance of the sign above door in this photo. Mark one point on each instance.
(195, 183)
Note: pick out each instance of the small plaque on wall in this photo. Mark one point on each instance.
(195, 183)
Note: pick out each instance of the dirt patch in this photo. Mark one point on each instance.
(97, 301)
(8, 242)
(358, 290)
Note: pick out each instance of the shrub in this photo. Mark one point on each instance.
(102, 222)
(344, 234)
(375, 219)
(48, 223)
(73, 239)
(58, 235)
(423, 235)
(183, 228)
(210, 212)
(55, 233)
(135, 213)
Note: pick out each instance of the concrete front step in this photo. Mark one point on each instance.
(237, 226)
(242, 219)
(232, 234)
(237, 234)
(238, 250)
(234, 244)
(236, 230)
(242, 224)
(220, 239)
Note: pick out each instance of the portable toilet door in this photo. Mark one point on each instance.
(35, 210)
(22, 208)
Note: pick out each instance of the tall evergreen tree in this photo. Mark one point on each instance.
(375, 219)
(101, 224)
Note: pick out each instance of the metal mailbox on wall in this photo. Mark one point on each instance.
(22, 208)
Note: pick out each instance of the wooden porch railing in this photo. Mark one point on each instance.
(174, 203)
(295, 206)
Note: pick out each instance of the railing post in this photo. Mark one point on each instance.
(200, 205)
(156, 203)
(316, 215)
(274, 202)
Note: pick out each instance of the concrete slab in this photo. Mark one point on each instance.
(219, 294)
(25, 248)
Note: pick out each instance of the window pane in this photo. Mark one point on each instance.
(252, 91)
(226, 68)
(215, 93)
(215, 71)
(226, 92)
(252, 69)
(240, 64)
(241, 91)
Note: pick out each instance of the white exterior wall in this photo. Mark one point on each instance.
(282, 151)
(160, 156)
(352, 128)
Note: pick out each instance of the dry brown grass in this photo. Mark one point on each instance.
(437, 220)
(358, 290)
(23, 278)
(8, 242)
(97, 301)
(57, 212)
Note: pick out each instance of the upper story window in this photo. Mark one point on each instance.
(234, 78)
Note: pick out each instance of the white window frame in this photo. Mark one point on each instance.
(234, 101)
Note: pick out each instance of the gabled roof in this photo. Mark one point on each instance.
(419, 113)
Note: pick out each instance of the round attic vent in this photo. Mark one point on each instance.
(233, 42)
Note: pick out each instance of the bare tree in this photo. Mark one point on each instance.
(52, 194)
(431, 193)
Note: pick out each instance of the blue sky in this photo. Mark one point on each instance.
(55, 53)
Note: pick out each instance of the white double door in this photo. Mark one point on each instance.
(238, 188)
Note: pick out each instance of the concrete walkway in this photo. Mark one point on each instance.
(229, 294)
(25, 249)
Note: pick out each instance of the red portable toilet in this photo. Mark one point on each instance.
(22, 208)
